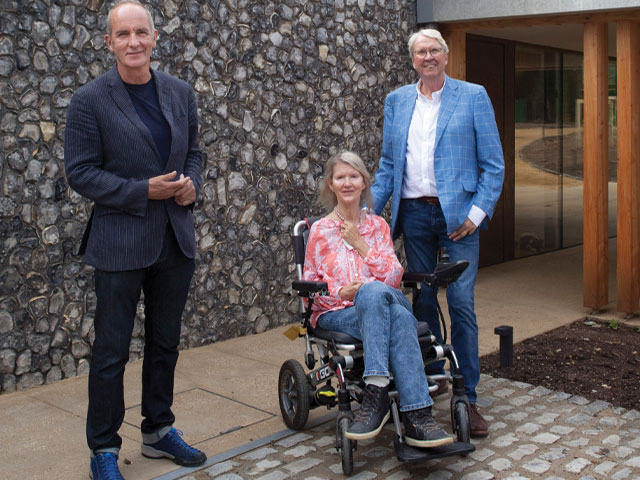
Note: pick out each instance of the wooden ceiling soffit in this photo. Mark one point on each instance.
(632, 14)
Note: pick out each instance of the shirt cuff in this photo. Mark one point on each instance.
(476, 215)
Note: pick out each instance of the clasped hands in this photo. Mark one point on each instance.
(164, 186)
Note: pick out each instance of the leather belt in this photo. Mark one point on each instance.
(429, 200)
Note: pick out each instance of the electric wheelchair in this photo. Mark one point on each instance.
(333, 355)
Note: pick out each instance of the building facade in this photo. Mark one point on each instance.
(564, 81)
(280, 85)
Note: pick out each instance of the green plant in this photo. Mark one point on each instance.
(614, 324)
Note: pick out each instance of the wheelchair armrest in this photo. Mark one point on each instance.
(306, 287)
(411, 279)
(445, 274)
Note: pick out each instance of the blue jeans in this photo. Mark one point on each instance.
(381, 317)
(165, 285)
(425, 230)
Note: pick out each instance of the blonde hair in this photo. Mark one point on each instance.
(426, 32)
(327, 197)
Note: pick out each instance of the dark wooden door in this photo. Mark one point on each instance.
(490, 63)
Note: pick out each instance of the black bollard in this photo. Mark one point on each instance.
(506, 345)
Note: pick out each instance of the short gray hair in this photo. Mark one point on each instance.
(430, 33)
(131, 2)
(327, 197)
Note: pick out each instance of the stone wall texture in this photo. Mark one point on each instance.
(280, 86)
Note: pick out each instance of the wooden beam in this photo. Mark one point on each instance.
(628, 248)
(457, 43)
(631, 14)
(595, 198)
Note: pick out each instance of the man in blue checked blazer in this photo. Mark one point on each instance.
(443, 166)
(131, 146)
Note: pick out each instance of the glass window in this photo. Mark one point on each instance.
(549, 121)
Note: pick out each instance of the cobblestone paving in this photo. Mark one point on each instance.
(535, 433)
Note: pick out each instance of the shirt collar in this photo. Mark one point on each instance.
(435, 96)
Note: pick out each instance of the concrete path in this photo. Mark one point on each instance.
(226, 393)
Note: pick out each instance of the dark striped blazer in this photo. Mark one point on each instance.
(109, 156)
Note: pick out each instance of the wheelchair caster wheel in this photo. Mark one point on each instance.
(293, 393)
(460, 422)
(346, 446)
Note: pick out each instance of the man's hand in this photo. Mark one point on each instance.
(348, 292)
(163, 186)
(187, 194)
(467, 228)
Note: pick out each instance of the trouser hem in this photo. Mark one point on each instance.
(98, 451)
(154, 437)
(415, 406)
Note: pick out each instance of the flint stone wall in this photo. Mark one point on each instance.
(280, 86)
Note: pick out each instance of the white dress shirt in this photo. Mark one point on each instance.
(419, 177)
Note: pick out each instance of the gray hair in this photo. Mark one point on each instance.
(430, 33)
(327, 197)
(131, 2)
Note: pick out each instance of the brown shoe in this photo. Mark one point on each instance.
(479, 426)
(443, 388)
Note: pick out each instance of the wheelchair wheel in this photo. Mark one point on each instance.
(346, 447)
(460, 422)
(293, 393)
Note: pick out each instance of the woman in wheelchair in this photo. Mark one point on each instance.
(352, 251)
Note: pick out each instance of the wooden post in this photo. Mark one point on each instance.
(457, 43)
(595, 198)
(628, 248)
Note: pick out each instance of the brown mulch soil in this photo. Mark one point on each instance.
(585, 358)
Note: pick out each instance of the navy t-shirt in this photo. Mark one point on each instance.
(145, 101)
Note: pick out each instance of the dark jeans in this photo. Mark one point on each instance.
(424, 232)
(165, 285)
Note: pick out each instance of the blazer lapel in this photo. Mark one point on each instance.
(450, 97)
(165, 97)
(121, 97)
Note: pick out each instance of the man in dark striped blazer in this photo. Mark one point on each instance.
(131, 147)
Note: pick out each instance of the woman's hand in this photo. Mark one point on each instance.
(348, 292)
(350, 233)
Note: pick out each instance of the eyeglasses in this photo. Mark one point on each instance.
(434, 52)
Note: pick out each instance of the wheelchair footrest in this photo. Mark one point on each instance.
(407, 453)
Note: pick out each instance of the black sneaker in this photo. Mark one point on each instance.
(373, 414)
(421, 430)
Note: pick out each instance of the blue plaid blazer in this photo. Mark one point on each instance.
(468, 159)
(109, 156)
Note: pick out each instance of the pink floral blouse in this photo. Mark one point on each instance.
(329, 259)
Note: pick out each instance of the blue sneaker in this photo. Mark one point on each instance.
(173, 447)
(104, 466)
